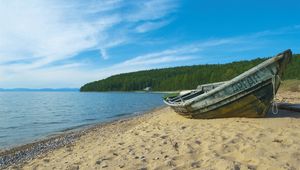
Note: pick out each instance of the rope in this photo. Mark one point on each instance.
(274, 104)
(181, 99)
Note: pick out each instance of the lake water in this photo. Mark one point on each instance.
(27, 116)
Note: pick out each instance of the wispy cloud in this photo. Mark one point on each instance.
(34, 35)
(177, 55)
(56, 30)
(149, 26)
(203, 51)
(150, 10)
(47, 30)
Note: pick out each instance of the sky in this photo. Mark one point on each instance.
(55, 44)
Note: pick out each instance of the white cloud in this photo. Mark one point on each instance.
(201, 51)
(176, 55)
(169, 55)
(103, 53)
(47, 30)
(34, 34)
(151, 10)
(56, 30)
(152, 25)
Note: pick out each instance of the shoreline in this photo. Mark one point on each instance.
(141, 91)
(19, 154)
(162, 139)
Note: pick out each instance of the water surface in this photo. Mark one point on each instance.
(28, 116)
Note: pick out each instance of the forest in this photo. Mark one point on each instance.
(185, 77)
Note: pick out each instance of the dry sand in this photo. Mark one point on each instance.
(164, 140)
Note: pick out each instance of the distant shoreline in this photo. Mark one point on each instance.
(77, 90)
(137, 91)
(39, 90)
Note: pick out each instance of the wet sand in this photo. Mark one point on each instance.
(162, 139)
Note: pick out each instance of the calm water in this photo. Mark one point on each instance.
(27, 116)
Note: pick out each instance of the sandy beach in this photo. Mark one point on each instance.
(161, 139)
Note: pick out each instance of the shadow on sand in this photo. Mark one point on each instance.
(285, 110)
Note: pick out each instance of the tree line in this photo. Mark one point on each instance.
(185, 77)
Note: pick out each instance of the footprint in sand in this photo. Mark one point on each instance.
(73, 167)
(46, 160)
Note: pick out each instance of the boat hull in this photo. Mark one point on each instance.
(247, 95)
(254, 104)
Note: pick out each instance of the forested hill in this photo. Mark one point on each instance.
(186, 77)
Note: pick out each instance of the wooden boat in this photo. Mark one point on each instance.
(247, 95)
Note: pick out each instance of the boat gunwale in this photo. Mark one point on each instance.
(193, 92)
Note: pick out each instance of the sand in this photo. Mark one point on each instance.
(162, 139)
(288, 97)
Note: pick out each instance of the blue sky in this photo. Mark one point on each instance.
(58, 43)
